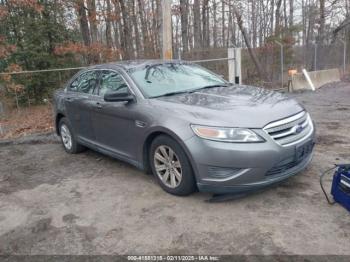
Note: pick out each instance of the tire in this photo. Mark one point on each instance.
(176, 176)
(67, 134)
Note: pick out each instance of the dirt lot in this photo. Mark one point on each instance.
(55, 203)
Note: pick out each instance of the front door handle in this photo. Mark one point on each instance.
(68, 99)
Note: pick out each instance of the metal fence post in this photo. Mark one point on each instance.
(238, 67)
(234, 65)
(344, 56)
(315, 58)
(231, 64)
(282, 61)
(59, 79)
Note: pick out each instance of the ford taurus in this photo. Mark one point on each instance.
(186, 125)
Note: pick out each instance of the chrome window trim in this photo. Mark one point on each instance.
(67, 89)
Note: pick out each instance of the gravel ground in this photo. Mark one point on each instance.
(55, 203)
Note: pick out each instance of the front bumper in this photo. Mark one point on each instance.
(239, 167)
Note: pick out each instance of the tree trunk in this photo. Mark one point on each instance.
(196, 24)
(320, 37)
(278, 16)
(83, 22)
(146, 43)
(215, 28)
(259, 68)
(92, 20)
(223, 22)
(126, 42)
(285, 15)
(272, 16)
(291, 13)
(204, 23)
(159, 24)
(108, 25)
(118, 32)
(254, 23)
(136, 28)
(184, 24)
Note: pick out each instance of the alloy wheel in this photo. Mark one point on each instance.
(167, 166)
(66, 137)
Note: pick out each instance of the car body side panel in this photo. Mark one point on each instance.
(114, 125)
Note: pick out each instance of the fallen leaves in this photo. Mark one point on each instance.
(34, 119)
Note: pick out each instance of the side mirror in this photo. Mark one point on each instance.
(118, 97)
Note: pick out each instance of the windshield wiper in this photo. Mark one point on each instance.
(190, 91)
(171, 94)
(208, 86)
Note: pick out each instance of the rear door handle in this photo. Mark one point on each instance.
(68, 99)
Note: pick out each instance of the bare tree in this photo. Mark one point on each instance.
(322, 19)
(205, 21)
(135, 27)
(291, 13)
(215, 28)
(196, 24)
(126, 40)
(109, 41)
(83, 22)
(92, 19)
(184, 23)
(278, 16)
(251, 51)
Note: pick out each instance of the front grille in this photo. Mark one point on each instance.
(291, 129)
(281, 169)
(284, 167)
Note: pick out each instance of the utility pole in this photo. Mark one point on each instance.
(167, 49)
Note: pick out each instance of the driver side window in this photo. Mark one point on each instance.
(85, 83)
(112, 82)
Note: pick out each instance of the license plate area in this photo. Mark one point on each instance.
(302, 151)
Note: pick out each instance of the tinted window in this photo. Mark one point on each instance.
(159, 79)
(85, 83)
(112, 82)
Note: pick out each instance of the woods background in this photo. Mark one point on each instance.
(44, 34)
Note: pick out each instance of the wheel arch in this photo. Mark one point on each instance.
(148, 141)
(59, 116)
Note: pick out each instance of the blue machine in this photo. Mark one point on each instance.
(340, 185)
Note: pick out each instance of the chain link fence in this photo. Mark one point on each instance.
(20, 91)
(278, 58)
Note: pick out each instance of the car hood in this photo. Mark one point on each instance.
(236, 106)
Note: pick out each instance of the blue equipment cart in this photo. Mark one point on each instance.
(340, 185)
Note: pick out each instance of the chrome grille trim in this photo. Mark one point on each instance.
(285, 120)
(285, 132)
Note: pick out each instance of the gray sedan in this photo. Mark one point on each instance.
(186, 125)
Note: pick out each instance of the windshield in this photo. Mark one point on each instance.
(171, 78)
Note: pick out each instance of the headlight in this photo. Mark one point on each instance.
(225, 134)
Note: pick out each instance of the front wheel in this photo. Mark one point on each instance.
(171, 166)
(68, 139)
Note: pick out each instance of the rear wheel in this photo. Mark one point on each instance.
(171, 166)
(68, 139)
